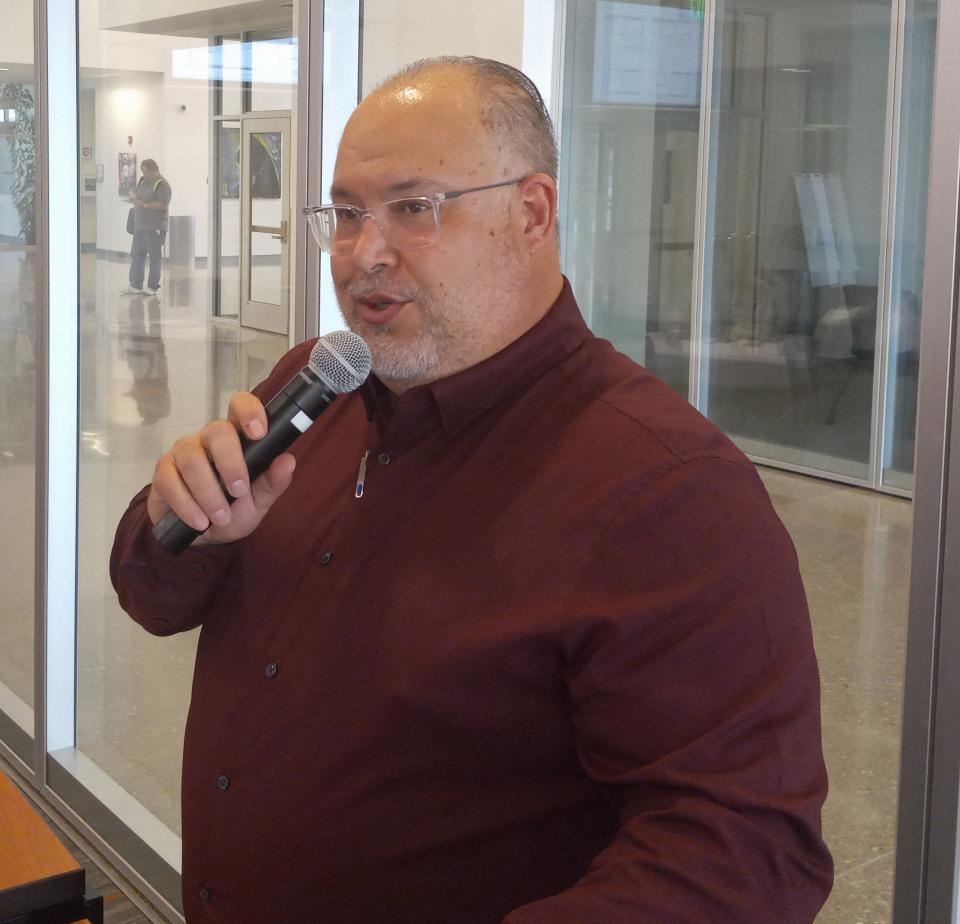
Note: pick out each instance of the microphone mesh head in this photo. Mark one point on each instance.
(342, 360)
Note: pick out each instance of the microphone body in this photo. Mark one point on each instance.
(290, 413)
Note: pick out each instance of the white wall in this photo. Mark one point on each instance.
(145, 107)
(396, 32)
(118, 13)
(16, 37)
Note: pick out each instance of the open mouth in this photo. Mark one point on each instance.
(381, 309)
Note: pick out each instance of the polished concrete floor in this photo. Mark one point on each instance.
(854, 550)
(153, 369)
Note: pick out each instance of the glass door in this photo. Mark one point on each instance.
(264, 211)
(797, 236)
(19, 277)
(761, 250)
(629, 175)
(226, 219)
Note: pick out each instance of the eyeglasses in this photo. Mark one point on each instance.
(410, 223)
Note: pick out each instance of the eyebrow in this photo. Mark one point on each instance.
(341, 193)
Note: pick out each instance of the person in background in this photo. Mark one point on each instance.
(553, 663)
(151, 204)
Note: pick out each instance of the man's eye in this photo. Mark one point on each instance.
(345, 213)
(407, 208)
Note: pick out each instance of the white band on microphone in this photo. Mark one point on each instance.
(301, 421)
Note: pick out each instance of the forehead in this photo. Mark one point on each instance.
(425, 131)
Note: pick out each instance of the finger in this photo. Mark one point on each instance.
(274, 481)
(248, 513)
(221, 442)
(246, 413)
(168, 492)
(195, 459)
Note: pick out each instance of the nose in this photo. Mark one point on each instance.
(371, 249)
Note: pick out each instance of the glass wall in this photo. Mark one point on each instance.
(18, 375)
(800, 321)
(161, 350)
(798, 230)
(396, 32)
(629, 175)
(810, 315)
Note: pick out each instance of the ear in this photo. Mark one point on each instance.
(538, 199)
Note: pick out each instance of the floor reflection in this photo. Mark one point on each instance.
(141, 344)
(152, 369)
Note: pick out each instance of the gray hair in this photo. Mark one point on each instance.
(510, 106)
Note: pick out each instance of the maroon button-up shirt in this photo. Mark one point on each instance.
(553, 667)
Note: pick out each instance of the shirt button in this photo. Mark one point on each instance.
(384, 458)
(326, 558)
(271, 670)
(204, 894)
(223, 781)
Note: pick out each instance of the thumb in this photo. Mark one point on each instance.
(273, 482)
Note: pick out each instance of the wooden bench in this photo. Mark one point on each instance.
(40, 881)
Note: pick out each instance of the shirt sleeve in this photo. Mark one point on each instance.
(695, 691)
(164, 192)
(165, 593)
(169, 593)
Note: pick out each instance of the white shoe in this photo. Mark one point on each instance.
(151, 292)
(131, 290)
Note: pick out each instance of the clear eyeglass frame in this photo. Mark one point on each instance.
(406, 223)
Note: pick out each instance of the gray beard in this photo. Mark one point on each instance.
(403, 361)
(420, 359)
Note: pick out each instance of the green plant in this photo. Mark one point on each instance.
(23, 152)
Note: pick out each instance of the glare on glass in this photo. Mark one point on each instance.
(409, 223)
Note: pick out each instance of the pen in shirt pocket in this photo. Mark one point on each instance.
(361, 474)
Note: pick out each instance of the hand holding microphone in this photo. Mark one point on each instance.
(221, 481)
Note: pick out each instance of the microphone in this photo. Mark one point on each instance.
(339, 362)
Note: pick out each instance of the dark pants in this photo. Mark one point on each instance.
(145, 243)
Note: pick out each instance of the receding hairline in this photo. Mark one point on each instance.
(509, 105)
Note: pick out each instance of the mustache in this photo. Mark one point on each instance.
(363, 287)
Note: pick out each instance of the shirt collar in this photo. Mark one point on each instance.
(459, 399)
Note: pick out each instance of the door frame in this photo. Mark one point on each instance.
(926, 874)
(265, 315)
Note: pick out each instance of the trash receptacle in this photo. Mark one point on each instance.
(181, 248)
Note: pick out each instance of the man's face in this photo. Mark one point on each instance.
(430, 312)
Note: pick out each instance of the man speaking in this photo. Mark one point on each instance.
(512, 633)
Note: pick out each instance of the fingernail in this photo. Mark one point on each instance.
(200, 522)
(238, 488)
(220, 517)
(255, 429)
